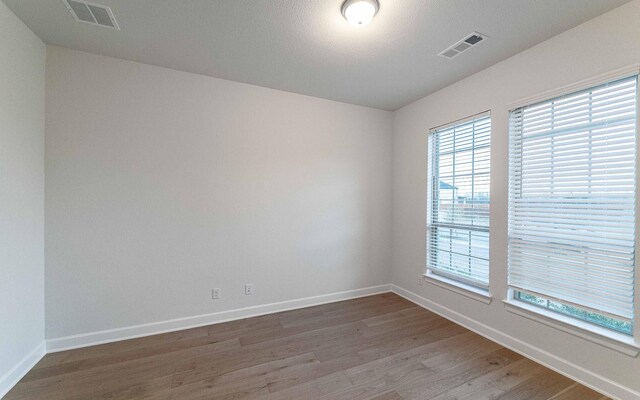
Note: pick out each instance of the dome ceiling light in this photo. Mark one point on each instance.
(360, 12)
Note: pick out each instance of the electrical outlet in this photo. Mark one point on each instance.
(248, 289)
(215, 293)
(420, 280)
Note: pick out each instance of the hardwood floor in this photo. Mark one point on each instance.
(379, 347)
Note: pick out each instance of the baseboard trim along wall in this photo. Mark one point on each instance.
(573, 371)
(11, 378)
(154, 328)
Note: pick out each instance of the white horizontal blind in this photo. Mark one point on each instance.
(458, 201)
(572, 198)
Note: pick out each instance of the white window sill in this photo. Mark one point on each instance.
(469, 291)
(602, 336)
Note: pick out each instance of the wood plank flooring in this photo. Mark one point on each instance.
(379, 348)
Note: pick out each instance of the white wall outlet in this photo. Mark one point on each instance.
(248, 289)
(420, 280)
(215, 293)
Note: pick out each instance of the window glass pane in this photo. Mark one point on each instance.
(458, 220)
(572, 202)
(593, 317)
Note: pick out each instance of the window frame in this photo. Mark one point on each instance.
(626, 344)
(438, 278)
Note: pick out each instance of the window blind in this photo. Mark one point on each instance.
(572, 200)
(458, 201)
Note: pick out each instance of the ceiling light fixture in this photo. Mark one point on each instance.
(360, 12)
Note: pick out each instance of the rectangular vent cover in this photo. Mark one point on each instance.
(91, 13)
(463, 45)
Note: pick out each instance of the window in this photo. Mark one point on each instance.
(572, 187)
(458, 201)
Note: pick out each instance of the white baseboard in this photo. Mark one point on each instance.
(562, 366)
(573, 371)
(9, 380)
(154, 328)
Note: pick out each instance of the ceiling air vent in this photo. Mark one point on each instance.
(91, 13)
(463, 45)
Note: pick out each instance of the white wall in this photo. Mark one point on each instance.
(162, 185)
(601, 45)
(22, 63)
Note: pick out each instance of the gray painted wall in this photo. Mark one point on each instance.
(22, 64)
(162, 185)
(599, 46)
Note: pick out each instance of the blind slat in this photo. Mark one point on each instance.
(572, 184)
(458, 201)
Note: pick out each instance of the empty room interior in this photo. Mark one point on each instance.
(319, 199)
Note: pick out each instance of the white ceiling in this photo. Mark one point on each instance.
(305, 46)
